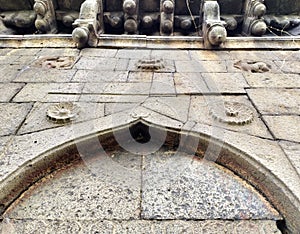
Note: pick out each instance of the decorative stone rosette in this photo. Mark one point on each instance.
(63, 112)
(234, 113)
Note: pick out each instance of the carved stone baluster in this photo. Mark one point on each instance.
(253, 23)
(46, 20)
(131, 14)
(89, 24)
(167, 8)
(214, 32)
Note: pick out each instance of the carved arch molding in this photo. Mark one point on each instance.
(212, 20)
(95, 185)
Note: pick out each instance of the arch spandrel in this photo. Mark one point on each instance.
(241, 153)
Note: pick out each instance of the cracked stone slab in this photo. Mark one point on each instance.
(8, 91)
(209, 55)
(92, 52)
(173, 107)
(40, 91)
(163, 83)
(133, 53)
(225, 82)
(200, 112)
(190, 83)
(276, 101)
(101, 187)
(179, 186)
(271, 80)
(9, 72)
(37, 120)
(201, 66)
(292, 150)
(289, 66)
(38, 75)
(106, 98)
(143, 77)
(171, 54)
(12, 115)
(284, 127)
(99, 77)
(58, 52)
(117, 88)
(138, 226)
(96, 63)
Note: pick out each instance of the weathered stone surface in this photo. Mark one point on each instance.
(58, 52)
(225, 82)
(12, 115)
(271, 80)
(196, 189)
(8, 91)
(96, 63)
(22, 52)
(139, 226)
(289, 66)
(190, 83)
(140, 77)
(200, 66)
(211, 55)
(266, 65)
(99, 77)
(260, 55)
(38, 75)
(284, 127)
(112, 98)
(92, 52)
(40, 91)
(96, 189)
(163, 84)
(9, 72)
(133, 53)
(118, 88)
(292, 150)
(171, 54)
(200, 107)
(37, 119)
(111, 108)
(276, 101)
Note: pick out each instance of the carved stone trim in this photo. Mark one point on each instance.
(46, 19)
(63, 112)
(167, 8)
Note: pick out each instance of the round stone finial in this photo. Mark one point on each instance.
(258, 28)
(130, 26)
(168, 6)
(41, 25)
(233, 113)
(80, 36)
(259, 10)
(217, 35)
(129, 6)
(186, 24)
(147, 21)
(167, 26)
(40, 8)
(63, 112)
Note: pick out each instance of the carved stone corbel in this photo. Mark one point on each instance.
(167, 8)
(253, 23)
(214, 32)
(46, 20)
(89, 24)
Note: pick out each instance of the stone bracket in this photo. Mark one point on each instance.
(89, 24)
(46, 19)
(213, 28)
(131, 15)
(253, 23)
(167, 8)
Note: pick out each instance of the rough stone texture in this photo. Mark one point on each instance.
(99, 77)
(199, 112)
(12, 116)
(37, 75)
(289, 66)
(9, 72)
(163, 84)
(195, 190)
(292, 150)
(92, 52)
(203, 66)
(140, 77)
(271, 80)
(276, 101)
(225, 82)
(284, 127)
(8, 91)
(190, 83)
(139, 226)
